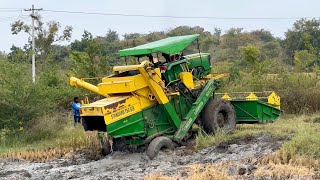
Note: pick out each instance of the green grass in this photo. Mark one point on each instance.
(303, 131)
(305, 142)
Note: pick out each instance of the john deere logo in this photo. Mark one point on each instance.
(122, 112)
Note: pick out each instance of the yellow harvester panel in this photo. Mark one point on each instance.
(187, 79)
(91, 111)
(154, 81)
(114, 85)
(98, 108)
(113, 108)
(146, 97)
(121, 109)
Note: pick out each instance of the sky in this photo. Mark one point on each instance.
(98, 25)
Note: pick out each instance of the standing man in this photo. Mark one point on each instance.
(76, 105)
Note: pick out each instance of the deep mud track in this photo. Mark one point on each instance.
(122, 165)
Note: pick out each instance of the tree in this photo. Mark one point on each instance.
(87, 57)
(271, 50)
(154, 36)
(112, 36)
(251, 54)
(263, 35)
(18, 55)
(82, 45)
(110, 43)
(303, 60)
(60, 54)
(295, 37)
(307, 39)
(233, 39)
(133, 39)
(44, 36)
(185, 30)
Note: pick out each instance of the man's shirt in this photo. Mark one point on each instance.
(75, 108)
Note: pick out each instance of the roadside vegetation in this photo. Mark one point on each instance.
(36, 118)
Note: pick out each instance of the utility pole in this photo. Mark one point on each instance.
(34, 17)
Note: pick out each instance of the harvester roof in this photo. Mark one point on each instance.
(170, 45)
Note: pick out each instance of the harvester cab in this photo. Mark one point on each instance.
(154, 103)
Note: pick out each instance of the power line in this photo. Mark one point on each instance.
(165, 16)
(4, 20)
(177, 17)
(8, 11)
(11, 19)
(14, 17)
(12, 8)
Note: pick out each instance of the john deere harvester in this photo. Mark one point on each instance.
(157, 101)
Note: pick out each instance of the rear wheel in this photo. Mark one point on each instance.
(105, 146)
(218, 114)
(157, 144)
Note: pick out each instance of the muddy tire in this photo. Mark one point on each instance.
(105, 147)
(218, 114)
(85, 124)
(157, 144)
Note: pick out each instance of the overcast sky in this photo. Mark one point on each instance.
(99, 25)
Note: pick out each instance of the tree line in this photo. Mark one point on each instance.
(92, 56)
(257, 52)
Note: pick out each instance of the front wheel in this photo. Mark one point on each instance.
(106, 145)
(218, 114)
(157, 144)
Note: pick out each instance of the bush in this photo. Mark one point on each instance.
(23, 101)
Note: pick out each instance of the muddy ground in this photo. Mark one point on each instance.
(125, 165)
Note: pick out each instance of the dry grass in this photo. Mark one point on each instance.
(284, 171)
(38, 155)
(50, 138)
(158, 176)
(65, 149)
(198, 172)
(220, 171)
(208, 171)
(282, 157)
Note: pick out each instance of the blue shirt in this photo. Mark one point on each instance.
(75, 108)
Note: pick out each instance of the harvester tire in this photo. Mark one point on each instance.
(157, 144)
(218, 114)
(105, 147)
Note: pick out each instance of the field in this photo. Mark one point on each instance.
(38, 140)
(287, 148)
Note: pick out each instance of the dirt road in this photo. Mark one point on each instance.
(124, 165)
